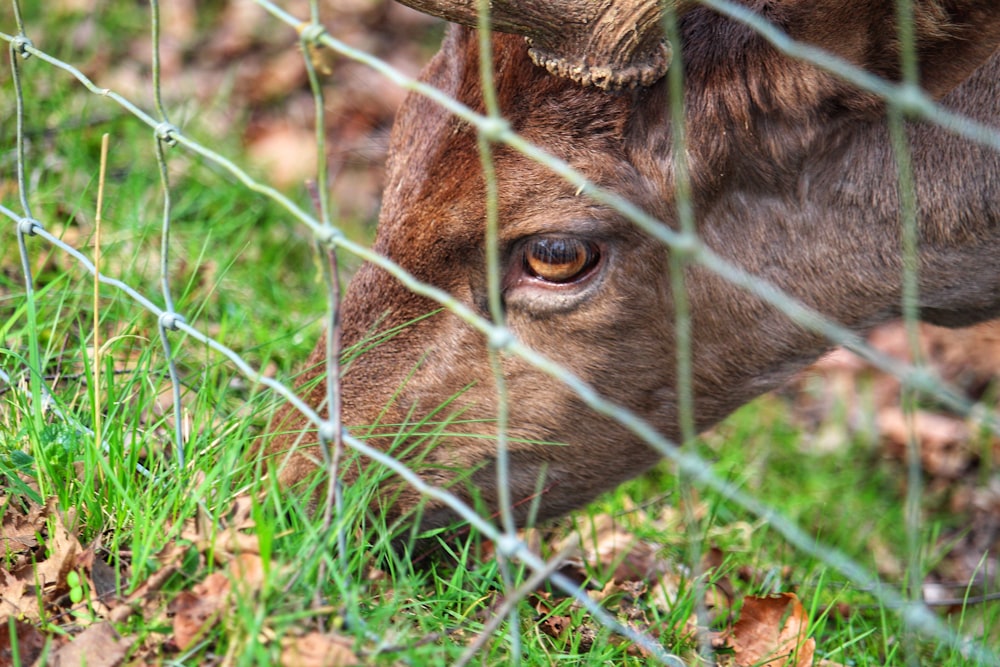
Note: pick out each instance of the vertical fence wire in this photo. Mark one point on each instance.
(162, 135)
(685, 247)
(680, 262)
(26, 227)
(909, 242)
(497, 341)
(331, 432)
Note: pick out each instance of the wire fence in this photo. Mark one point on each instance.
(32, 233)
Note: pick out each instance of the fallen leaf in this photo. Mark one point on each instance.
(62, 547)
(228, 540)
(15, 598)
(23, 587)
(197, 610)
(611, 547)
(555, 625)
(101, 581)
(968, 357)
(18, 532)
(144, 598)
(97, 646)
(247, 572)
(551, 624)
(287, 151)
(771, 632)
(30, 642)
(943, 440)
(318, 650)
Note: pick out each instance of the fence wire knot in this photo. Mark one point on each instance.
(329, 236)
(501, 338)
(686, 247)
(508, 545)
(28, 226)
(493, 128)
(21, 44)
(311, 32)
(169, 321)
(326, 431)
(911, 99)
(167, 133)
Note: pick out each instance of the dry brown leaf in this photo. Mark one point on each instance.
(665, 591)
(943, 440)
(24, 586)
(771, 632)
(287, 151)
(30, 641)
(144, 598)
(851, 390)
(226, 541)
(101, 582)
(197, 610)
(215, 585)
(18, 532)
(15, 598)
(234, 542)
(238, 25)
(318, 650)
(611, 547)
(241, 513)
(561, 627)
(97, 646)
(279, 76)
(247, 572)
(966, 356)
(555, 625)
(62, 546)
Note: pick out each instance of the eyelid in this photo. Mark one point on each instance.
(519, 275)
(526, 293)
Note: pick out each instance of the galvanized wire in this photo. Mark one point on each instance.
(904, 97)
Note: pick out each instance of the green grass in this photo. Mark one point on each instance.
(244, 272)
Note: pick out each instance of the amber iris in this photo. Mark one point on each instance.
(558, 259)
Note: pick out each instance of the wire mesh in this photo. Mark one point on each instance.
(903, 98)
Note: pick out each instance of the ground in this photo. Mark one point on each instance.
(119, 554)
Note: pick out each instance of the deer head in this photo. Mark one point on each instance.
(793, 179)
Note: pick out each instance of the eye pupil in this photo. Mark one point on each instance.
(559, 259)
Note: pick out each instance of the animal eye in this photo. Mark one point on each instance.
(558, 259)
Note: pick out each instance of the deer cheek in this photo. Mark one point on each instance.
(541, 301)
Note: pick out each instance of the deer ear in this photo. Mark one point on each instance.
(953, 43)
(952, 38)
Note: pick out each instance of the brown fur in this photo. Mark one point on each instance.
(793, 179)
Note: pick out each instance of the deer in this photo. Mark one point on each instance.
(792, 178)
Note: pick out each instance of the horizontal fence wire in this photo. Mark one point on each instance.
(31, 231)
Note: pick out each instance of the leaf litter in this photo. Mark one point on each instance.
(66, 608)
(772, 632)
(841, 398)
(48, 567)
